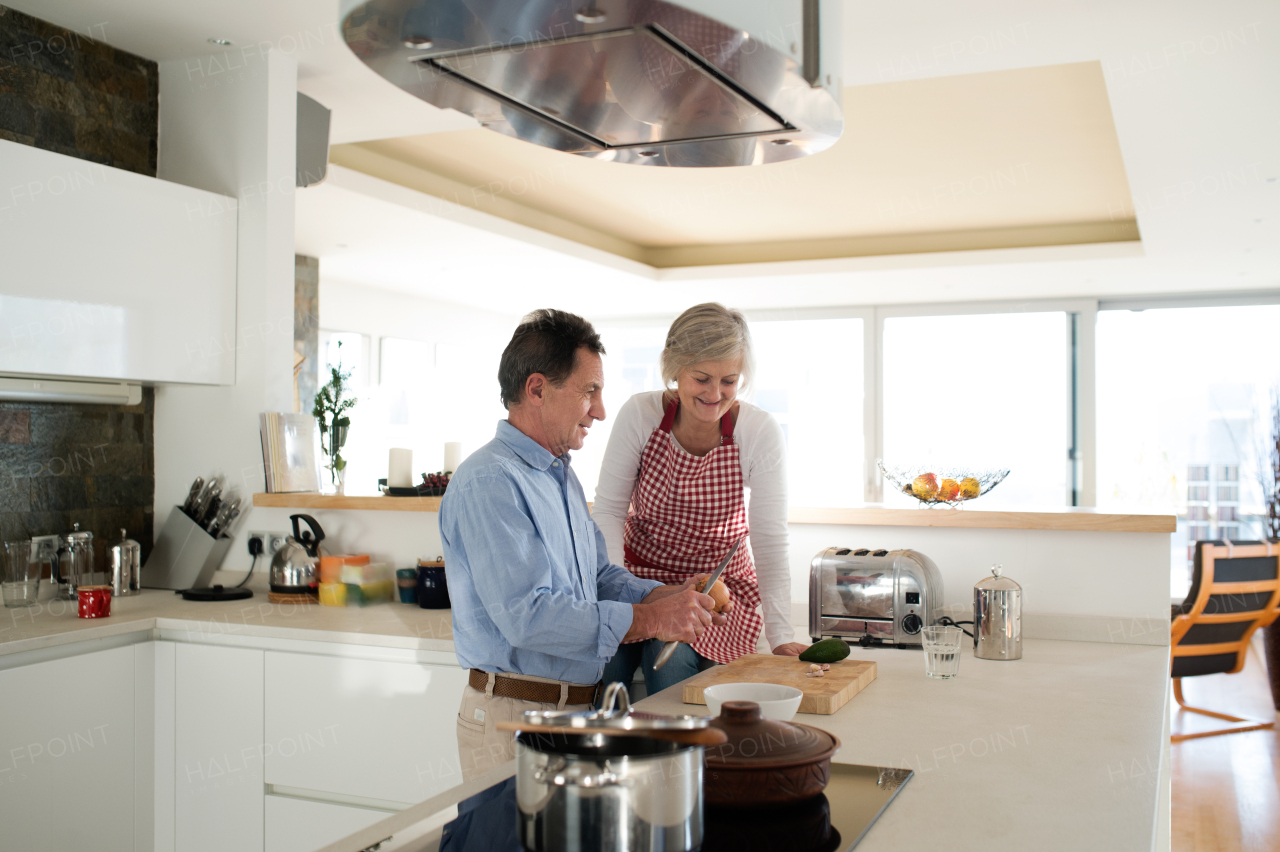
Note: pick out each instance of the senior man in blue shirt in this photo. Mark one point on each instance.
(538, 609)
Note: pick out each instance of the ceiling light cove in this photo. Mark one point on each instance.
(688, 83)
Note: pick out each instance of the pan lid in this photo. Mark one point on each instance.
(615, 712)
(759, 743)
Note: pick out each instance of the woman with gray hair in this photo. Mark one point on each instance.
(671, 499)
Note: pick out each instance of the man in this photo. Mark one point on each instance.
(537, 607)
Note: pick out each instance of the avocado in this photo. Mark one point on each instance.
(826, 651)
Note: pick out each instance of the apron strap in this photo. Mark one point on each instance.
(669, 419)
(726, 427)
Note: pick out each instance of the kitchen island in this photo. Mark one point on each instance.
(1066, 749)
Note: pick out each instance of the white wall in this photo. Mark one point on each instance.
(233, 132)
(1104, 586)
(397, 537)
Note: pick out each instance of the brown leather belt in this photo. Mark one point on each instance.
(532, 690)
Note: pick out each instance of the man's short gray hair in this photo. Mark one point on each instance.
(707, 332)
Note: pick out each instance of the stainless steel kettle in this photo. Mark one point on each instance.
(294, 567)
(997, 618)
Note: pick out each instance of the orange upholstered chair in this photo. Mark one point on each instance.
(1235, 589)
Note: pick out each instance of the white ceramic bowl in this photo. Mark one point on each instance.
(776, 701)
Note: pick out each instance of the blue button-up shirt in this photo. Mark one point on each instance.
(530, 582)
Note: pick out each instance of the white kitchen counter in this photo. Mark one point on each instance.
(52, 624)
(1062, 750)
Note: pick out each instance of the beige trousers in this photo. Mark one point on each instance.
(481, 746)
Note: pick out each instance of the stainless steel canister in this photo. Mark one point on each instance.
(124, 561)
(997, 618)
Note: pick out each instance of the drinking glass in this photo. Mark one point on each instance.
(21, 578)
(942, 651)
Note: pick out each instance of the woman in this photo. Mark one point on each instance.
(671, 499)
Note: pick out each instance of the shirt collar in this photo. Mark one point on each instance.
(533, 453)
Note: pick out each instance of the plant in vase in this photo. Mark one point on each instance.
(330, 413)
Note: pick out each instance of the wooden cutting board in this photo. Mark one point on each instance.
(822, 695)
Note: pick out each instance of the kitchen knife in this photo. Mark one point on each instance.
(670, 648)
(196, 487)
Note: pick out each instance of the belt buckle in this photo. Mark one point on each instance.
(595, 696)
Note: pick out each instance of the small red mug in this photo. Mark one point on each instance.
(95, 601)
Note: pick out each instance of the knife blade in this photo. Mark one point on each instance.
(670, 648)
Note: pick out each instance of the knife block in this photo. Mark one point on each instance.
(185, 555)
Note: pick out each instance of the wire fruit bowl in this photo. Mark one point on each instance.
(942, 486)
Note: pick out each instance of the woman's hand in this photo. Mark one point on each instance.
(791, 649)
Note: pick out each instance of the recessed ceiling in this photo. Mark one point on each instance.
(1009, 158)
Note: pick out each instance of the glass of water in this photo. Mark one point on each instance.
(20, 576)
(942, 651)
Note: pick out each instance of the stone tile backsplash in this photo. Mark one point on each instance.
(69, 91)
(62, 464)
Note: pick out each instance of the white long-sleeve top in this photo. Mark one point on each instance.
(762, 452)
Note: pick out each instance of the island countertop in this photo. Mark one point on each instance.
(1065, 749)
(1061, 750)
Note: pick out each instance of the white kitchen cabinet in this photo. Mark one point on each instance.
(373, 729)
(301, 825)
(110, 274)
(218, 749)
(67, 754)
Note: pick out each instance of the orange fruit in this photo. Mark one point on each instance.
(925, 486)
(969, 488)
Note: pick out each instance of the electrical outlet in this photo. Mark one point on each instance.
(261, 538)
(271, 541)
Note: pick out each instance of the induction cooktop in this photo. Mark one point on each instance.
(832, 822)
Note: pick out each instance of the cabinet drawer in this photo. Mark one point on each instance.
(298, 825)
(374, 729)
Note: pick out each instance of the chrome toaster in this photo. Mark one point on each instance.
(873, 597)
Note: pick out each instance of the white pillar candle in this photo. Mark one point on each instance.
(452, 456)
(400, 468)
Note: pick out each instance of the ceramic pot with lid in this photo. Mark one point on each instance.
(997, 617)
(597, 791)
(766, 762)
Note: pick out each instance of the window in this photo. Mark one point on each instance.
(419, 396)
(981, 390)
(808, 376)
(1182, 397)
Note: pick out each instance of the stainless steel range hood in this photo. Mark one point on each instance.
(698, 83)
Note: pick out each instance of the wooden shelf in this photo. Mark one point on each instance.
(379, 503)
(1081, 520)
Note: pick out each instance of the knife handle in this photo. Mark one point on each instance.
(664, 655)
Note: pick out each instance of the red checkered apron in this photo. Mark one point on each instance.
(686, 512)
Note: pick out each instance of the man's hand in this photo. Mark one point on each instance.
(672, 613)
(790, 649)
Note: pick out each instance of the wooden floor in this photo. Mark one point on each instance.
(1226, 795)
